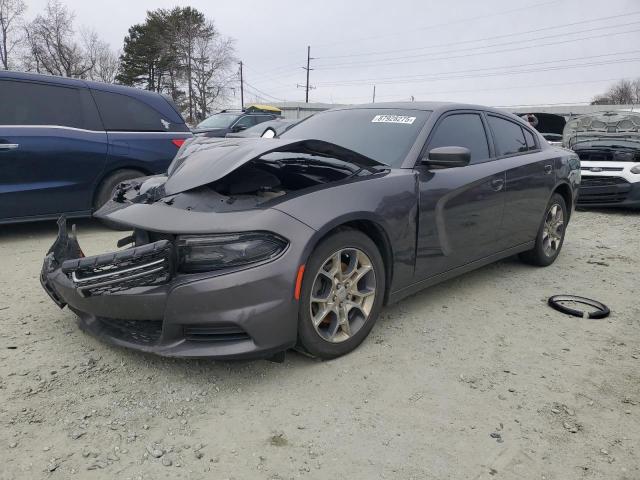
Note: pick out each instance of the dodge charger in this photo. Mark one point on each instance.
(248, 247)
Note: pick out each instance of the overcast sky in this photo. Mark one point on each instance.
(566, 51)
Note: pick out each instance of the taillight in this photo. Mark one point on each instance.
(178, 142)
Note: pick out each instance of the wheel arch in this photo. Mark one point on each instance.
(564, 190)
(369, 226)
(107, 173)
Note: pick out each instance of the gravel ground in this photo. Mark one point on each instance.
(475, 378)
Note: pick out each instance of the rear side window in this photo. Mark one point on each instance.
(462, 130)
(31, 103)
(124, 113)
(531, 141)
(248, 121)
(508, 136)
(264, 118)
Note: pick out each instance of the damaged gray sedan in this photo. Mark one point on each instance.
(249, 247)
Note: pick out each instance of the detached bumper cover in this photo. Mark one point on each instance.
(134, 298)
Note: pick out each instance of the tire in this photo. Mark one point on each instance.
(105, 192)
(550, 237)
(361, 300)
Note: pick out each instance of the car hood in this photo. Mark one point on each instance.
(206, 160)
(606, 126)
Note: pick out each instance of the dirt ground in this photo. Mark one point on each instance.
(476, 378)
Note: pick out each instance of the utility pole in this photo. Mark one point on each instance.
(306, 97)
(374, 94)
(241, 89)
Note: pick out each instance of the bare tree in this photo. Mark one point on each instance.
(621, 93)
(53, 47)
(635, 87)
(11, 12)
(213, 56)
(105, 61)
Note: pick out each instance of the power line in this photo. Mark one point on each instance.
(264, 75)
(278, 72)
(463, 42)
(514, 87)
(385, 62)
(475, 54)
(442, 75)
(263, 93)
(443, 24)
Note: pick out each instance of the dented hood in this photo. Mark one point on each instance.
(206, 160)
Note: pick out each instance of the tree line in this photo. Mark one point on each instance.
(177, 51)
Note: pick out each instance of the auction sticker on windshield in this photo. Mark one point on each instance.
(393, 119)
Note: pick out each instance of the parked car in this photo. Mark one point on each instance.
(230, 121)
(549, 125)
(608, 145)
(268, 129)
(248, 247)
(65, 143)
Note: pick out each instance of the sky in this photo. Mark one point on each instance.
(492, 52)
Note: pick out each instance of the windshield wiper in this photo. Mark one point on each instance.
(350, 167)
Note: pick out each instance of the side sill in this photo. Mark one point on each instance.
(441, 277)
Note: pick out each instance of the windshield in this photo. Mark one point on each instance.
(384, 134)
(219, 120)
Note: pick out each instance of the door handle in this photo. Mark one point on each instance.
(8, 146)
(548, 169)
(497, 184)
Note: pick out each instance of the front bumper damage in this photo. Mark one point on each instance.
(135, 298)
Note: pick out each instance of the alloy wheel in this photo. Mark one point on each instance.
(343, 294)
(553, 230)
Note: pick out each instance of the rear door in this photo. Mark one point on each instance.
(52, 149)
(141, 136)
(530, 178)
(460, 209)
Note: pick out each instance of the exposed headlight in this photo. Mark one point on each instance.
(635, 169)
(202, 253)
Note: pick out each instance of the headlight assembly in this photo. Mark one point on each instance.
(636, 169)
(203, 253)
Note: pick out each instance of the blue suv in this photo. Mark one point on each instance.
(65, 144)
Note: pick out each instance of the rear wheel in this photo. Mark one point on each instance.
(342, 294)
(550, 234)
(107, 188)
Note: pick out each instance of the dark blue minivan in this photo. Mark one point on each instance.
(65, 144)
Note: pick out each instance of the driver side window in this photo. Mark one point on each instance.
(462, 130)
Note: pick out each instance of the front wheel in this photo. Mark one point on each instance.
(550, 234)
(342, 294)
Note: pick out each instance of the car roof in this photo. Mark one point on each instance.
(153, 98)
(428, 106)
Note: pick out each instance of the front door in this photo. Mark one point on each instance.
(460, 209)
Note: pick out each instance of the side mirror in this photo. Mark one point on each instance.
(448, 157)
(269, 133)
(239, 128)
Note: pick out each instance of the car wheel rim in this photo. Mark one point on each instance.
(553, 230)
(343, 294)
